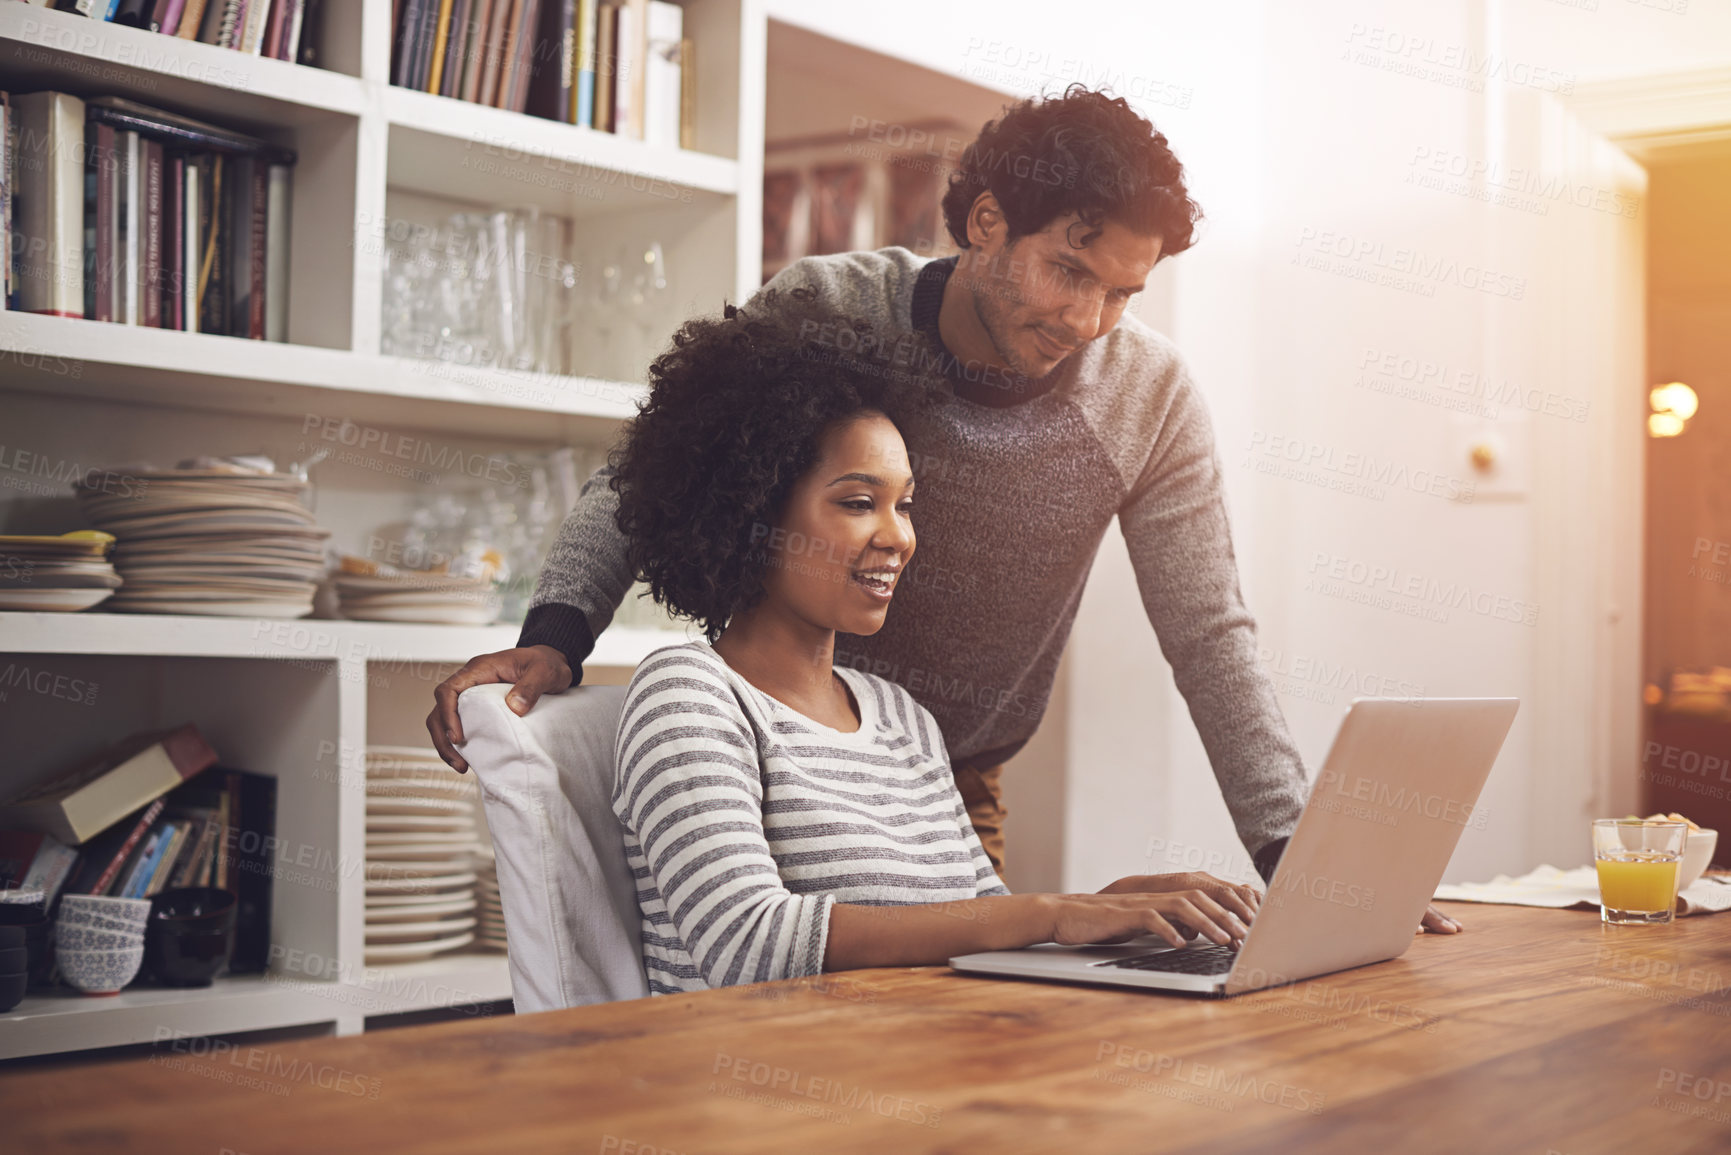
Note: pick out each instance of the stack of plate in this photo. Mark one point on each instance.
(422, 843)
(58, 574)
(492, 929)
(418, 597)
(210, 541)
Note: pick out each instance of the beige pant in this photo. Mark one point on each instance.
(983, 796)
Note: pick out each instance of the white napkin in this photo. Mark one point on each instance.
(1548, 886)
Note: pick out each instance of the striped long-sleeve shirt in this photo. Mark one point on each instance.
(745, 820)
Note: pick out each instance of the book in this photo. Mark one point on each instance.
(159, 875)
(50, 868)
(583, 92)
(425, 38)
(48, 204)
(150, 243)
(522, 58)
(100, 223)
(276, 255)
(7, 146)
(456, 44)
(606, 55)
(441, 35)
(552, 62)
(665, 29)
(257, 19)
(166, 16)
(491, 63)
(80, 802)
(687, 93)
(32, 860)
(214, 232)
(191, 247)
(127, 175)
(174, 242)
(174, 128)
(143, 862)
(629, 68)
(309, 40)
(192, 863)
(100, 860)
(289, 48)
(245, 225)
(475, 55)
(130, 13)
(254, 849)
(191, 19)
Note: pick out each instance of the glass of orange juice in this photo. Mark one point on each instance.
(1638, 861)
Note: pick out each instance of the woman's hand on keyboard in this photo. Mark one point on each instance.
(1120, 916)
(1240, 898)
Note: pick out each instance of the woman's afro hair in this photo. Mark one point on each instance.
(736, 413)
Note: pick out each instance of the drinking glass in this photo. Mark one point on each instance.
(1637, 862)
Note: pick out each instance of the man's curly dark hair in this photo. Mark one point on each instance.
(735, 415)
(1084, 153)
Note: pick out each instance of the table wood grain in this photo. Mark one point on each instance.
(1535, 1030)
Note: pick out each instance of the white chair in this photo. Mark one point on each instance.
(570, 903)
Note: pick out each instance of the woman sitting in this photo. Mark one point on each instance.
(783, 816)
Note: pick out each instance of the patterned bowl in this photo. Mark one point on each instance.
(95, 938)
(100, 972)
(96, 922)
(82, 907)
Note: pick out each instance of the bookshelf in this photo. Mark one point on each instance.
(302, 700)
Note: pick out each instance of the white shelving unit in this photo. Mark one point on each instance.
(301, 700)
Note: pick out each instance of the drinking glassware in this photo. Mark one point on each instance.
(1637, 862)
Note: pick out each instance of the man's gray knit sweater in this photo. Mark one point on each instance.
(1013, 500)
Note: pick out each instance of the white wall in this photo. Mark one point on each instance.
(1298, 121)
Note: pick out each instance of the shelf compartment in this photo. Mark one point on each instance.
(471, 152)
(51, 1022)
(307, 639)
(70, 357)
(43, 48)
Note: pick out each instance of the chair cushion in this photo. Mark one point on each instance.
(570, 902)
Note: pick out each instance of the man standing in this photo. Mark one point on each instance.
(1063, 414)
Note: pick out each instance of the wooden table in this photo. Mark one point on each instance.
(1536, 1031)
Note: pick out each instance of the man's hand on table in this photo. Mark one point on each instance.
(1437, 922)
(533, 670)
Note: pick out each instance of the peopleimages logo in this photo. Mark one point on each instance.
(1371, 256)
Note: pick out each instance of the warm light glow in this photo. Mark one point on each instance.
(1675, 398)
(1664, 424)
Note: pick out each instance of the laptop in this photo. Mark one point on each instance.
(1399, 785)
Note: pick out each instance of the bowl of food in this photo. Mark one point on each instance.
(1698, 847)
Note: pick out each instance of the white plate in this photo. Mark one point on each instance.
(416, 911)
(428, 885)
(417, 901)
(452, 847)
(454, 616)
(427, 866)
(253, 609)
(399, 931)
(53, 601)
(431, 807)
(408, 951)
(451, 788)
(417, 823)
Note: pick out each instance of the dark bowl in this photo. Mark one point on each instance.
(14, 959)
(11, 936)
(11, 991)
(190, 935)
(195, 908)
(13, 912)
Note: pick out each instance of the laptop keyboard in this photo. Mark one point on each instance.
(1198, 960)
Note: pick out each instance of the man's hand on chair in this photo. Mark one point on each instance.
(534, 670)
